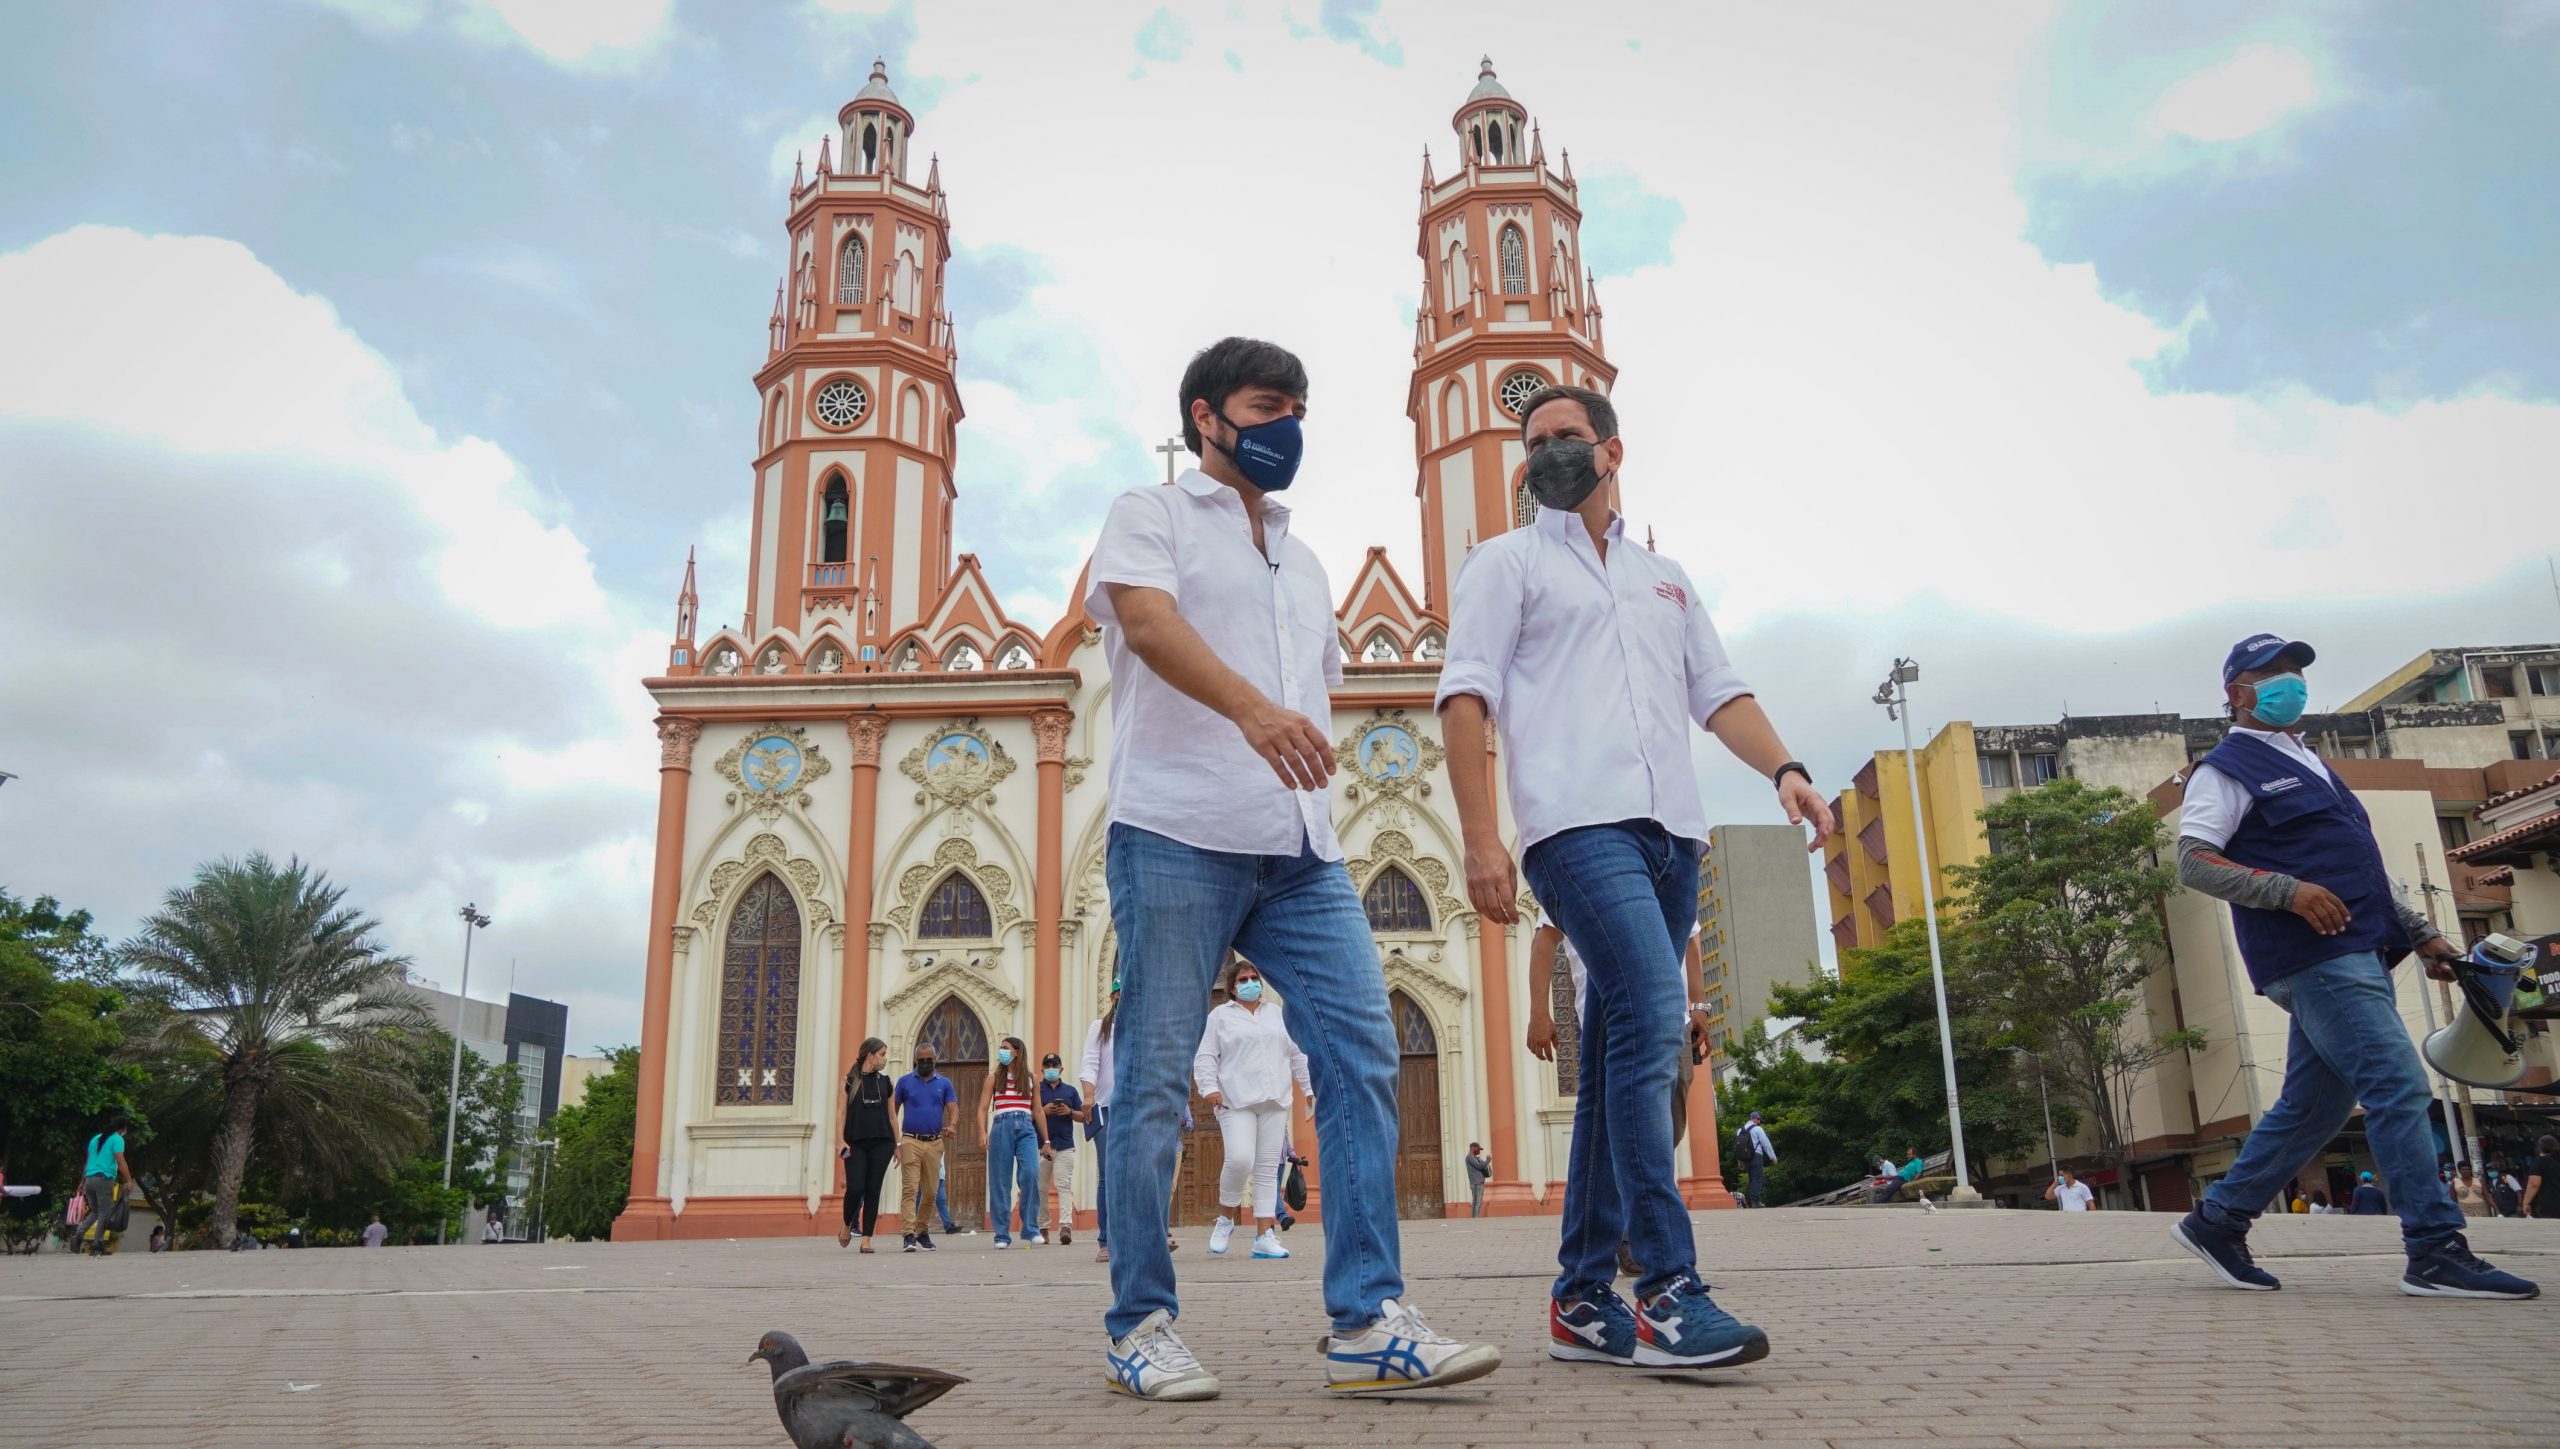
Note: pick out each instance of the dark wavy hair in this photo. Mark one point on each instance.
(1229, 366)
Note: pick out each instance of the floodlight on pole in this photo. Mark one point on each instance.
(1895, 695)
(472, 920)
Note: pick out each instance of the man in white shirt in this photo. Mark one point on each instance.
(1220, 630)
(1597, 661)
(2069, 1193)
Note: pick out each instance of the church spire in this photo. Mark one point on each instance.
(688, 609)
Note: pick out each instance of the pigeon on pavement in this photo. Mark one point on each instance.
(847, 1405)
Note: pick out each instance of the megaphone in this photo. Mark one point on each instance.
(2484, 1045)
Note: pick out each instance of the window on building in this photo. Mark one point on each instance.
(956, 910)
(2497, 682)
(1395, 904)
(2041, 769)
(2456, 830)
(1515, 262)
(760, 997)
(835, 516)
(1997, 772)
(850, 259)
(2545, 678)
(2524, 744)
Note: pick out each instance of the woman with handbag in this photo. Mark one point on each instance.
(1244, 1071)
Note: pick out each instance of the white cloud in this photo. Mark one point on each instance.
(571, 33)
(279, 611)
(2257, 87)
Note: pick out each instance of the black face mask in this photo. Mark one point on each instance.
(925, 1068)
(1563, 472)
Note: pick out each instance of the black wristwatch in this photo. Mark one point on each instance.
(1779, 775)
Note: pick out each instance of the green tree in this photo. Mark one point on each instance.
(2065, 915)
(591, 1168)
(60, 1026)
(280, 1021)
(1880, 1087)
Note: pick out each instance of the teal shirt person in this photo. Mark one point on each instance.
(102, 1153)
(1911, 1170)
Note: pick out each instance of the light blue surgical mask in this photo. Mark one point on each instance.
(1248, 990)
(1049, 1074)
(1004, 1056)
(2281, 699)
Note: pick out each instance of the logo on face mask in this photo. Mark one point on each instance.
(1266, 454)
(1563, 472)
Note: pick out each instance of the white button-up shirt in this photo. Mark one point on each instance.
(1596, 674)
(1247, 1057)
(1179, 768)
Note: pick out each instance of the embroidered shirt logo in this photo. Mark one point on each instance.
(2288, 782)
(1674, 593)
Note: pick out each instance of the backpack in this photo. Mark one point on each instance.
(1745, 1151)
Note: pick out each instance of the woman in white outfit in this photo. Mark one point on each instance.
(1243, 1072)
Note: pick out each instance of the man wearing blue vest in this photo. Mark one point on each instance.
(2267, 828)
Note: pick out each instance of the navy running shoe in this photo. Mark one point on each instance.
(2224, 1251)
(1681, 1327)
(2452, 1271)
(1595, 1327)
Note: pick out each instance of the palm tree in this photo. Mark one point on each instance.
(283, 1024)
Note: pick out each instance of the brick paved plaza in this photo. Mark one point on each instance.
(1891, 1327)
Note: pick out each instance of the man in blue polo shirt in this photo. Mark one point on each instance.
(2267, 828)
(922, 1099)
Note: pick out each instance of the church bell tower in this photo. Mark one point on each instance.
(1507, 308)
(853, 474)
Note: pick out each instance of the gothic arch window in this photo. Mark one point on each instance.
(1414, 1036)
(774, 429)
(835, 519)
(964, 656)
(760, 997)
(953, 1033)
(870, 147)
(955, 910)
(1453, 276)
(1564, 1005)
(1453, 410)
(851, 262)
(1396, 905)
(1476, 132)
(910, 282)
(1524, 508)
(911, 415)
(1515, 261)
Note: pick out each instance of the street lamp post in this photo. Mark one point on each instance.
(471, 921)
(1895, 695)
(542, 1191)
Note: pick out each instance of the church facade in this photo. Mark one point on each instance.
(882, 801)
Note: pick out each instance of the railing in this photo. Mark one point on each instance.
(827, 574)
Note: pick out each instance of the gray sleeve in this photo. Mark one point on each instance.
(2415, 922)
(2205, 869)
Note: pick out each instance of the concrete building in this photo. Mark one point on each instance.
(576, 1072)
(2522, 680)
(525, 1032)
(848, 844)
(1756, 925)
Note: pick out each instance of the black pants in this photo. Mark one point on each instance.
(864, 1171)
(1752, 1194)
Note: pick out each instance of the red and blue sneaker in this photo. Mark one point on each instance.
(1681, 1327)
(1594, 1327)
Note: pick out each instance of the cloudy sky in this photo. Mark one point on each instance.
(367, 366)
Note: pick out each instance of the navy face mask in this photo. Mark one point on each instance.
(1267, 453)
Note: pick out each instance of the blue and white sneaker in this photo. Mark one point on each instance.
(1267, 1244)
(2452, 1271)
(2224, 1251)
(1400, 1351)
(1595, 1327)
(1681, 1327)
(1151, 1363)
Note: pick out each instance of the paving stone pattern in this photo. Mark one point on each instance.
(1891, 1327)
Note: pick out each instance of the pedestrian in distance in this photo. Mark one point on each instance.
(1479, 1171)
(1218, 622)
(2541, 1195)
(870, 1139)
(2468, 1194)
(2070, 1194)
(159, 1239)
(1754, 1152)
(1094, 1081)
(1061, 1108)
(105, 1175)
(923, 1102)
(1245, 1071)
(2320, 1205)
(375, 1234)
(1596, 660)
(2266, 827)
(2369, 1201)
(1013, 1144)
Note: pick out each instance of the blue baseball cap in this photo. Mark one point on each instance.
(2260, 650)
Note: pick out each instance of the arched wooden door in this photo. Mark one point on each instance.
(959, 1042)
(1204, 1151)
(1420, 1189)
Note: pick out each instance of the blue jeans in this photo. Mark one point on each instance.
(1626, 895)
(2348, 1045)
(1178, 911)
(1013, 1164)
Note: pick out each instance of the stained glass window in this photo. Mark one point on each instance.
(1568, 1014)
(849, 270)
(956, 909)
(1395, 903)
(1414, 1037)
(1515, 261)
(952, 1033)
(760, 997)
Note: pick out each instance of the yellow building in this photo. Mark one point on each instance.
(1871, 865)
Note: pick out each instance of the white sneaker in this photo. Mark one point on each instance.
(1002, 1244)
(1151, 1363)
(1267, 1245)
(1040, 1238)
(1224, 1229)
(1400, 1351)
